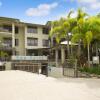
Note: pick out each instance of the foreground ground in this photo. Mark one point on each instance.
(18, 85)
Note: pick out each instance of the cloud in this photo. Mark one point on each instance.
(92, 4)
(41, 10)
(96, 6)
(87, 1)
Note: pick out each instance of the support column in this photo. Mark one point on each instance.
(13, 38)
(62, 55)
(56, 57)
(25, 40)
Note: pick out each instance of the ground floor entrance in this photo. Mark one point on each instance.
(30, 66)
(2, 68)
(44, 68)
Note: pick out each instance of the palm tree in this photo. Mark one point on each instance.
(85, 30)
(60, 30)
(95, 28)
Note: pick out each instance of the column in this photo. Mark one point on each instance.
(25, 40)
(56, 57)
(62, 55)
(13, 38)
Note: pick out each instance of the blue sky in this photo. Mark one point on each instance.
(41, 11)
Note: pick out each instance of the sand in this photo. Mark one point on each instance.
(19, 85)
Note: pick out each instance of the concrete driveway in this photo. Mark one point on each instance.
(19, 85)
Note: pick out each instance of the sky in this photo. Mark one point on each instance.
(41, 11)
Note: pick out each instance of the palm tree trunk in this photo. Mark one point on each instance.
(79, 50)
(68, 47)
(56, 57)
(71, 50)
(96, 50)
(88, 55)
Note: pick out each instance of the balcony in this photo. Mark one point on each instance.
(5, 29)
(30, 58)
(6, 46)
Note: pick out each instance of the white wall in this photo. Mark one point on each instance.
(55, 71)
(7, 65)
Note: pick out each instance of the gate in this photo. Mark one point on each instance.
(70, 68)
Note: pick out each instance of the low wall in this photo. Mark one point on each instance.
(55, 71)
(7, 65)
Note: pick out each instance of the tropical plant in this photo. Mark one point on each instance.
(87, 30)
(84, 29)
(61, 29)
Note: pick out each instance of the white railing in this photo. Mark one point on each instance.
(30, 58)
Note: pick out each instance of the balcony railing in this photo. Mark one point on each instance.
(29, 58)
(5, 30)
(6, 46)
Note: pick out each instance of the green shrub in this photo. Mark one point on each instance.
(91, 70)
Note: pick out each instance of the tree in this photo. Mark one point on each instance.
(62, 28)
(86, 30)
(95, 28)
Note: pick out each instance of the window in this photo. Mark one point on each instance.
(45, 31)
(16, 42)
(31, 29)
(32, 41)
(16, 30)
(45, 43)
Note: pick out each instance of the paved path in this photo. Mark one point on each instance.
(18, 85)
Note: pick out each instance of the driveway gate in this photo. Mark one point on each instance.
(70, 68)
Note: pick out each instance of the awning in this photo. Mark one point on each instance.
(66, 42)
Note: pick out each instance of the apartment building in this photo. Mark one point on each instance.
(23, 39)
(27, 43)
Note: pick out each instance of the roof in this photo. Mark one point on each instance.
(9, 19)
(32, 24)
(18, 21)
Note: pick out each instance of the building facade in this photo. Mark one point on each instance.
(23, 39)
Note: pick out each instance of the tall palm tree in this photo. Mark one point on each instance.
(86, 30)
(95, 27)
(62, 28)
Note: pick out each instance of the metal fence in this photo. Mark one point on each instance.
(70, 68)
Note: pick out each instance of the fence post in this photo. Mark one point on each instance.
(76, 69)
